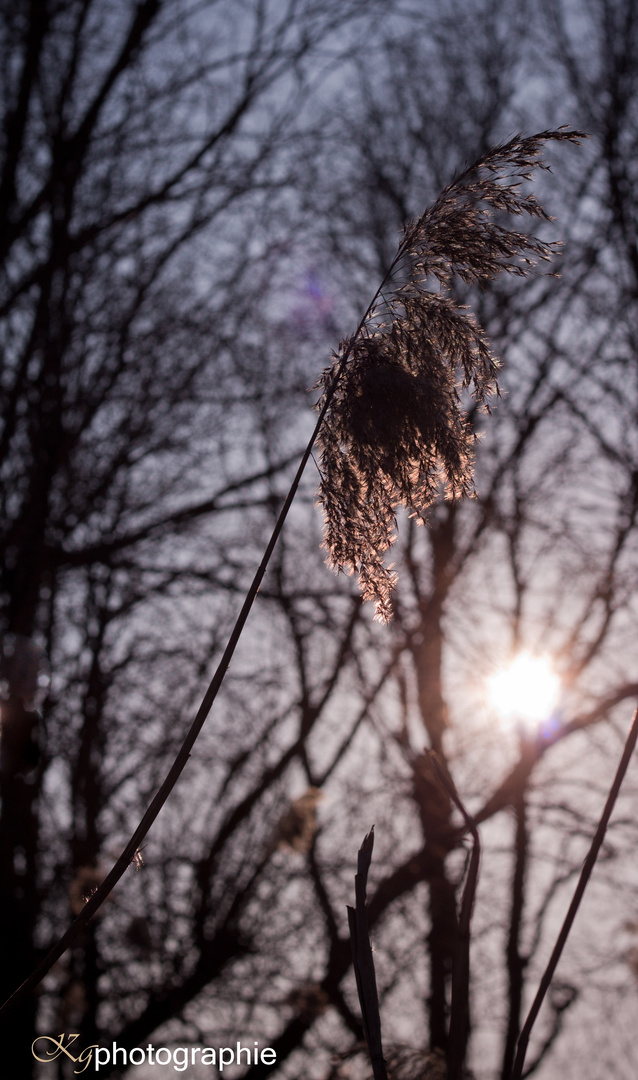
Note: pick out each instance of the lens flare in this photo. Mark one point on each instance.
(526, 691)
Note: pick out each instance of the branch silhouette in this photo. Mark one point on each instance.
(390, 418)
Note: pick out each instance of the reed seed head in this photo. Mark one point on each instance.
(395, 431)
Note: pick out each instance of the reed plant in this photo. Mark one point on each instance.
(393, 431)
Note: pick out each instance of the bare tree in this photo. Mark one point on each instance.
(539, 560)
(146, 177)
(150, 414)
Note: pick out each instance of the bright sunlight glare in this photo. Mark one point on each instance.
(525, 691)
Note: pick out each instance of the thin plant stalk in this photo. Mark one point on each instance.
(363, 962)
(127, 856)
(585, 874)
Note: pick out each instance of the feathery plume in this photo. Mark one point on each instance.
(395, 431)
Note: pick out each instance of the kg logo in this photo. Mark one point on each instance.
(60, 1048)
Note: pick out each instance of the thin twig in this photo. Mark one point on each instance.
(460, 1006)
(585, 875)
(516, 963)
(363, 962)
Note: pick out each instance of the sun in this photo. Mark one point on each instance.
(526, 691)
